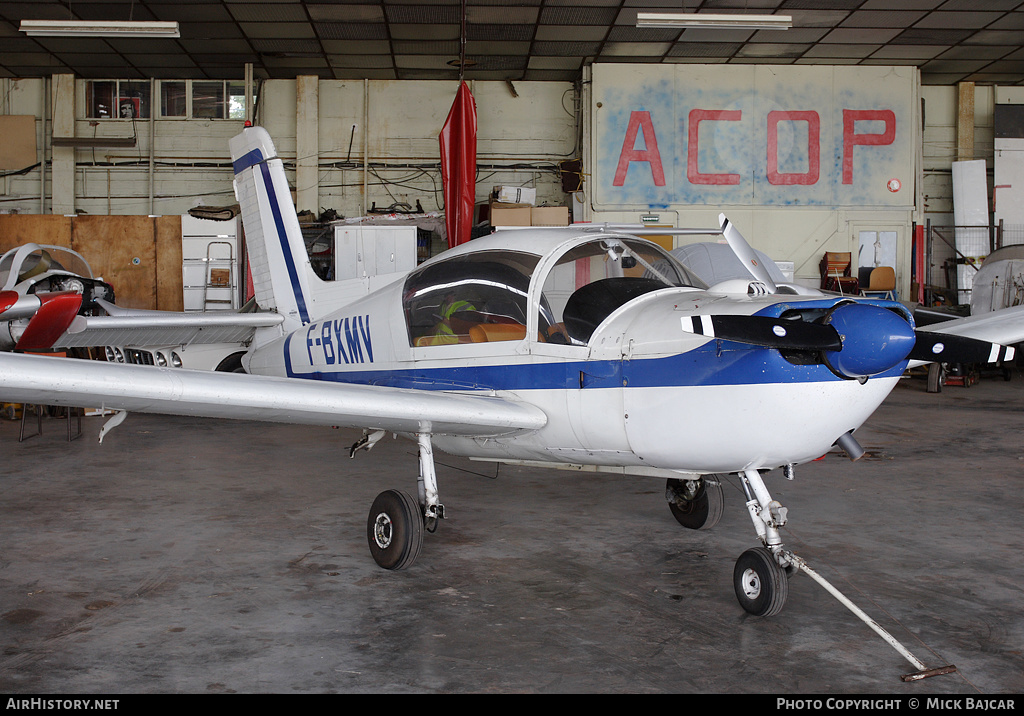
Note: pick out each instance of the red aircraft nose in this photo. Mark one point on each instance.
(54, 316)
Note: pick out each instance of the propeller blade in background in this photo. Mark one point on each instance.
(745, 253)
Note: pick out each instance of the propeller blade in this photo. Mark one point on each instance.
(54, 316)
(746, 254)
(766, 332)
(937, 347)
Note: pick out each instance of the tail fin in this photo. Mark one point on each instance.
(281, 271)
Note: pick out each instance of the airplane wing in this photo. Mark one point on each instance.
(136, 327)
(145, 389)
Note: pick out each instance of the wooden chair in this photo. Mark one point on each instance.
(835, 273)
(881, 283)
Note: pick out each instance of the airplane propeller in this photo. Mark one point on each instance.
(746, 254)
(881, 338)
(56, 310)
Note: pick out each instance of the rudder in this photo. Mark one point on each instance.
(281, 270)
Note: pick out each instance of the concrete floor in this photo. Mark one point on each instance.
(199, 556)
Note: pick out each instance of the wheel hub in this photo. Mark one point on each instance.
(383, 530)
(751, 584)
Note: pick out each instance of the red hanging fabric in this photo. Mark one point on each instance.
(458, 166)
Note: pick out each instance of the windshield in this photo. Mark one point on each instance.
(592, 280)
(30, 261)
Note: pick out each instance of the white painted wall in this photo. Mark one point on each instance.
(789, 223)
(397, 126)
(397, 123)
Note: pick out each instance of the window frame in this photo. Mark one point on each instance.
(232, 99)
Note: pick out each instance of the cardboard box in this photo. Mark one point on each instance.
(549, 216)
(510, 215)
(516, 194)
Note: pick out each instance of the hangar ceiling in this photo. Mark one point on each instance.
(950, 40)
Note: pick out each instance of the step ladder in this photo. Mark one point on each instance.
(220, 276)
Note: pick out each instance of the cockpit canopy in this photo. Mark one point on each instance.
(31, 260)
(483, 296)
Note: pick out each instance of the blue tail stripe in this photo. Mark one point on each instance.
(282, 235)
(248, 160)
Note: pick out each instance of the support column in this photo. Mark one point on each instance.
(62, 179)
(307, 143)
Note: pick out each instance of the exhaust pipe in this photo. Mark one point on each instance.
(849, 443)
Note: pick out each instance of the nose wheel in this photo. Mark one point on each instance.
(762, 586)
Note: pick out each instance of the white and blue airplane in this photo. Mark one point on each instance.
(583, 348)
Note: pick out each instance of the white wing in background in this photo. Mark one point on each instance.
(1005, 326)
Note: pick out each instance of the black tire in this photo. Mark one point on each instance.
(936, 377)
(696, 504)
(762, 586)
(394, 530)
(232, 364)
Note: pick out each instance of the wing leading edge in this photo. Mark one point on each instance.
(72, 382)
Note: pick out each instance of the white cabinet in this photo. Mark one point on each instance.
(362, 251)
(209, 266)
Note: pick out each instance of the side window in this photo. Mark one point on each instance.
(481, 298)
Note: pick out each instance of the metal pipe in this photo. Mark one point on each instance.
(802, 565)
(849, 443)
(152, 147)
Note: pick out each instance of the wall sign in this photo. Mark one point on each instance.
(752, 135)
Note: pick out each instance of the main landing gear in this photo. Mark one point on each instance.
(761, 576)
(397, 521)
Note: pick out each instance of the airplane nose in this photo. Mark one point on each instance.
(874, 340)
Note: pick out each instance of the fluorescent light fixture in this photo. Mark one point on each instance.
(98, 28)
(717, 22)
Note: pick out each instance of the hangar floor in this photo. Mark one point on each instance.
(197, 556)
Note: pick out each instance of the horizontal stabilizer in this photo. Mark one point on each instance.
(131, 327)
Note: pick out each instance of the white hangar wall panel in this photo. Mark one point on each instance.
(396, 130)
(395, 125)
(803, 159)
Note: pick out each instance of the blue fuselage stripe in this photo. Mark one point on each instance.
(712, 364)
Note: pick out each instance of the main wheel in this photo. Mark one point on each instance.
(936, 377)
(761, 584)
(394, 530)
(696, 504)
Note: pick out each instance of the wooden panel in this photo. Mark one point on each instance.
(18, 149)
(169, 288)
(121, 249)
(18, 229)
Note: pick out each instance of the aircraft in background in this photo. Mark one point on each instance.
(583, 348)
(42, 289)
